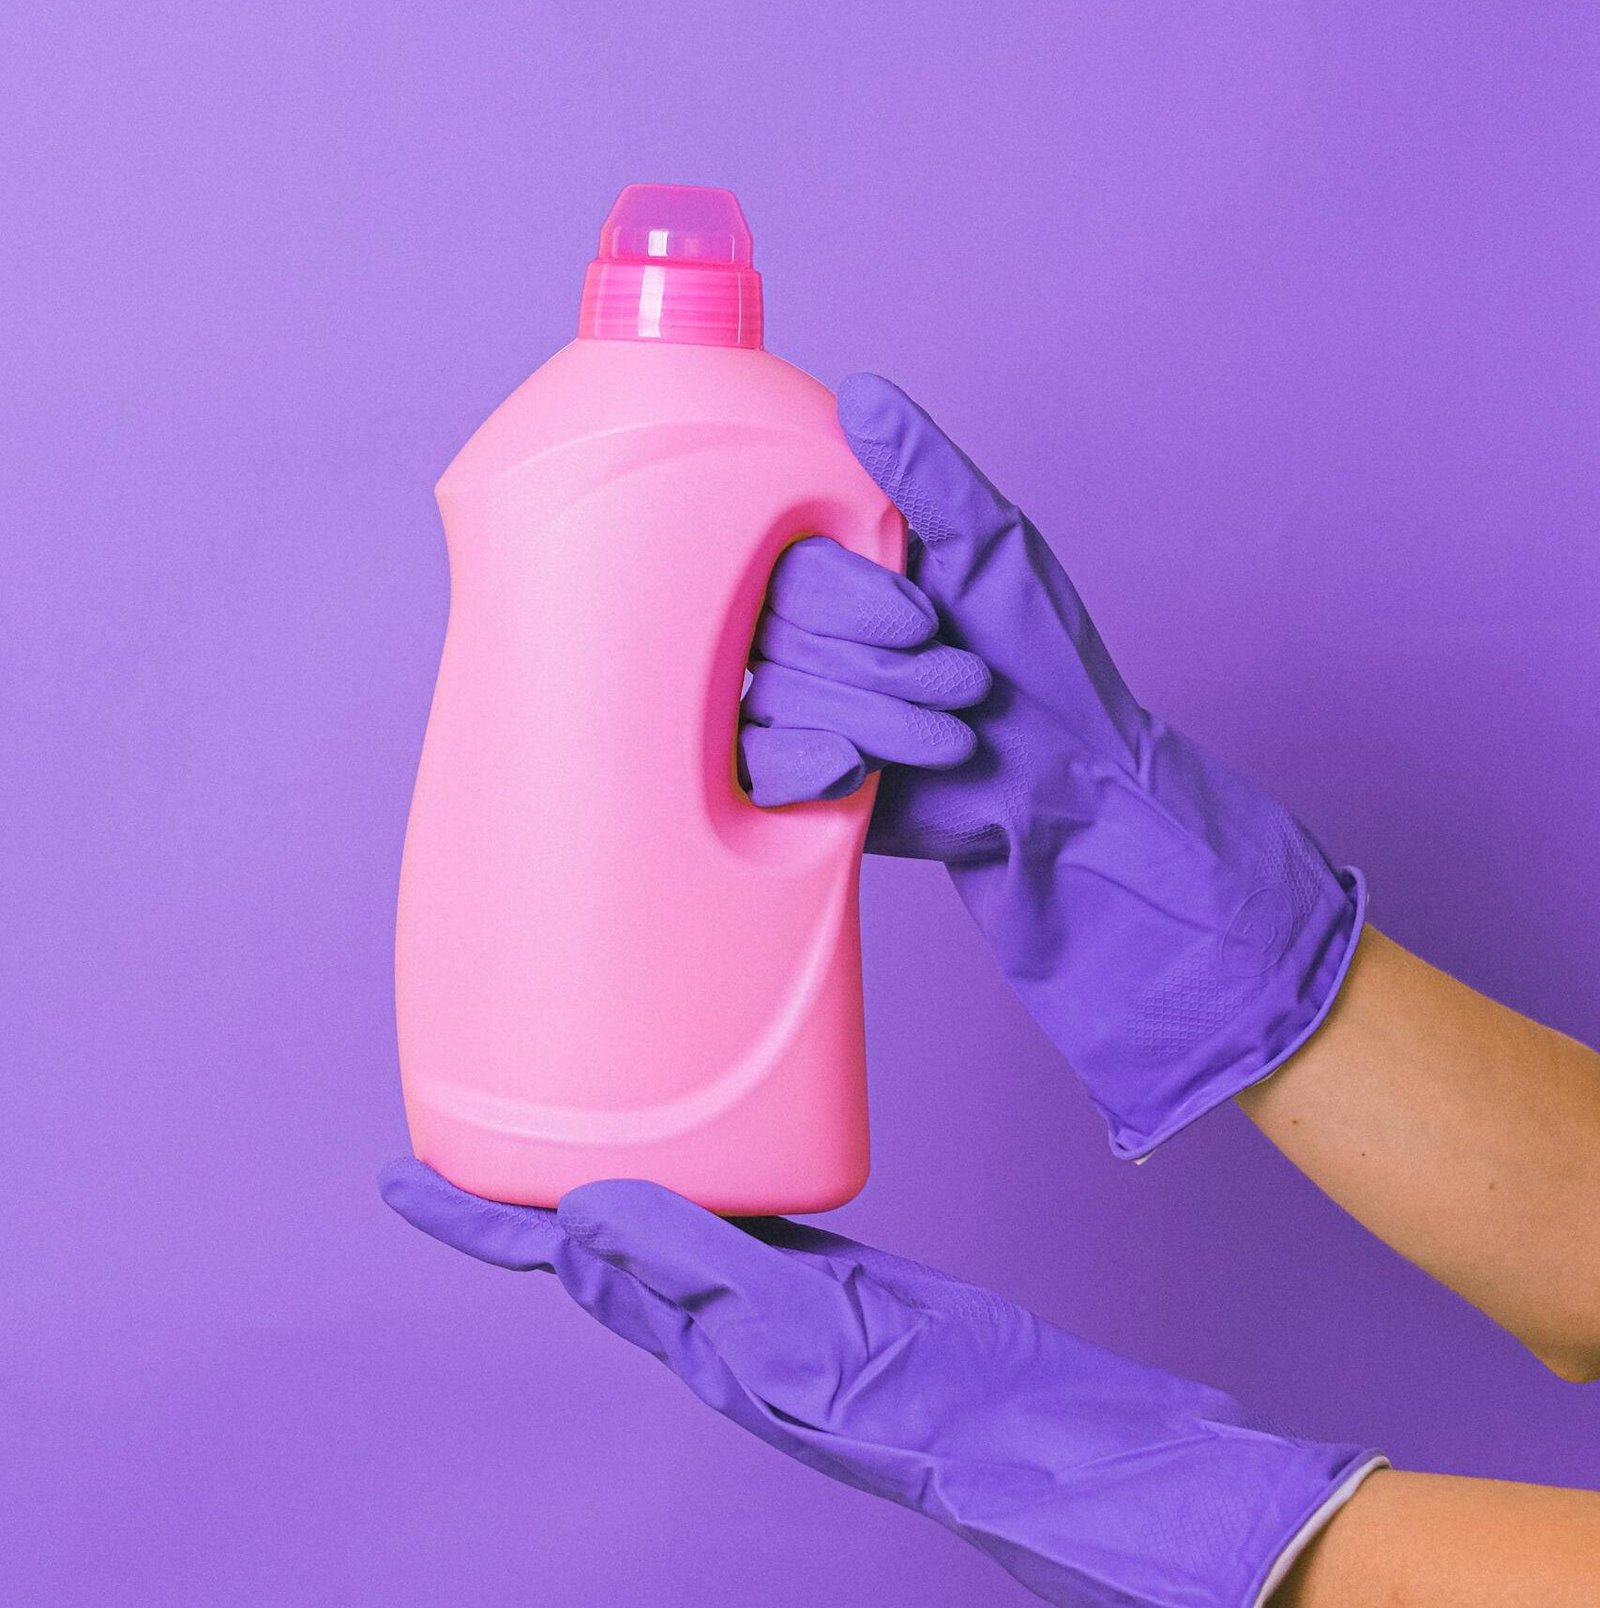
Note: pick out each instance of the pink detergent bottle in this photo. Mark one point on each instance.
(609, 962)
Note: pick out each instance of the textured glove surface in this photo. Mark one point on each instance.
(1095, 1480)
(1174, 929)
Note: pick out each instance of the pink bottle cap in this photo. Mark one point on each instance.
(674, 265)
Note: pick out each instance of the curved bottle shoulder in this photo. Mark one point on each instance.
(597, 388)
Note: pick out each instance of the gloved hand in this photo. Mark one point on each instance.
(1173, 929)
(1096, 1481)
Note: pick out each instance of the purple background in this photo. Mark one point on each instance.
(1280, 319)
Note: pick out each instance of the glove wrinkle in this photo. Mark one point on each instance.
(1171, 928)
(1096, 1481)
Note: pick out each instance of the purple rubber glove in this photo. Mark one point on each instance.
(1174, 930)
(1096, 1481)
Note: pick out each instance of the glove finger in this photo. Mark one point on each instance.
(527, 1239)
(522, 1238)
(879, 727)
(947, 501)
(933, 674)
(784, 765)
(794, 1331)
(823, 587)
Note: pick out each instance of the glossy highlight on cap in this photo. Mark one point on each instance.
(674, 264)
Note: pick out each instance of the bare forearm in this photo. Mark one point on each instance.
(1428, 1541)
(1462, 1134)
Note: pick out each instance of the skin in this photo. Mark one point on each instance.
(1462, 1134)
(1468, 1138)
(1431, 1541)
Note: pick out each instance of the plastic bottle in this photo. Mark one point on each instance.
(609, 962)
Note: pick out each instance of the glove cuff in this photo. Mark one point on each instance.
(1274, 1026)
(1313, 1526)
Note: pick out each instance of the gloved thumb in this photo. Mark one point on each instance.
(947, 500)
(789, 1329)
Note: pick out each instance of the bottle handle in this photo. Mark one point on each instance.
(789, 832)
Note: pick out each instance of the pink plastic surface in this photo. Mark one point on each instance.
(674, 264)
(609, 962)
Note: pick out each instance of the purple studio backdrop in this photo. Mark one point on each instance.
(1281, 322)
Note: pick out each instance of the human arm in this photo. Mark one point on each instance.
(1092, 1479)
(1179, 937)
(1461, 1133)
(1435, 1541)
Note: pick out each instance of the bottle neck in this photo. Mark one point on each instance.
(695, 304)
